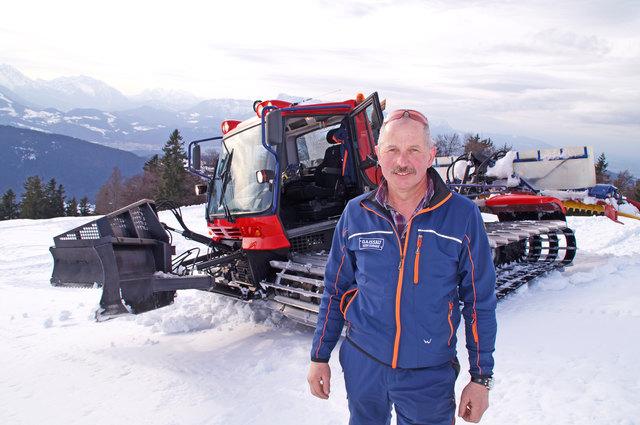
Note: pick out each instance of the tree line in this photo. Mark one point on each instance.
(41, 200)
(162, 177)
(166, 177)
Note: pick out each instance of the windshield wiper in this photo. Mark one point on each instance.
(225, 176)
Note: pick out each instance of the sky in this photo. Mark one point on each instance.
(565, 72)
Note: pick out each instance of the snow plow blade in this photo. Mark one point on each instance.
(127, 253)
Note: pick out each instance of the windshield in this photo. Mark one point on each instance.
(235, 178)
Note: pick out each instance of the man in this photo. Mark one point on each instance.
(402, 259)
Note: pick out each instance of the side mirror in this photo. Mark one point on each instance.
(275, 127)
(265, 176)
(195, 158)
(201, 189)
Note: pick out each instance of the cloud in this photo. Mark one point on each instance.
(572, 64)
(555, 42)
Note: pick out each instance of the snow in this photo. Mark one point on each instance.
(110, 118)
(93, 128)
(629, 209)
(29, 127)
(460, 168)
(583, 197)
(45, 116)
(142, 128)
(9, 108)
(25, 153)
(566, 350)
(503, 168)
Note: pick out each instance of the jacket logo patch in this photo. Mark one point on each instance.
(371, 243)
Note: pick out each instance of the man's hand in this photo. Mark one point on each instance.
(319, 378)
(473, 402)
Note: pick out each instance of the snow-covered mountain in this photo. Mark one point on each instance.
(566, 351)
(63, 93)
(142, 130)
(172, 100)
(89, 109)
(11, 78)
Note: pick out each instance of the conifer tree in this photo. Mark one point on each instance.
(54, 197)
(84, 208)
(173, 169)
(153, 165)
(34, 204)
(9, 209)
(601, 169)
(71, 210)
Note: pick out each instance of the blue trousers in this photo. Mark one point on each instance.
(420, 396)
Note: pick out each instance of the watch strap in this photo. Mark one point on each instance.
(485, 380)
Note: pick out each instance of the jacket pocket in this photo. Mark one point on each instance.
(346, 300)
(416, 264)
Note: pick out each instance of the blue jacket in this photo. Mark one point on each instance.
(401, 302)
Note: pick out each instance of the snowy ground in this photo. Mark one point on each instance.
(566, 353)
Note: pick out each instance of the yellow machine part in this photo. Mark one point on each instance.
(628, 215)
(579, 207)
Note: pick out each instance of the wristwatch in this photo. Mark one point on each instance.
(486, 380)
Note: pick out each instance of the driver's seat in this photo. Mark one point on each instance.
(323, 196)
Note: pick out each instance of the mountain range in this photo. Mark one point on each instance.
(88, 109)
(46, 127)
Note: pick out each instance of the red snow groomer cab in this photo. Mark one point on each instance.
(273, 200)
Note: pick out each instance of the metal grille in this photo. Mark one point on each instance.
(226, 232)
(309, 242)
(139, 220)
(118, 223)
(90, 231)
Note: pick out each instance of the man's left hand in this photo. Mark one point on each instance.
(474, 401)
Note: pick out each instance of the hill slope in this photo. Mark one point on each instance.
(80, 166)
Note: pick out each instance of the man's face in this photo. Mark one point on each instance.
(404, 156)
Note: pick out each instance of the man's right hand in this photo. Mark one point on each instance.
(319, 379)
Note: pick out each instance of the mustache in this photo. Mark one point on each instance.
(403, 170)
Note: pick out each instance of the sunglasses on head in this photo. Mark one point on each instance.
(409, 113)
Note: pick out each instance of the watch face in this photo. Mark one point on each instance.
(488, 383)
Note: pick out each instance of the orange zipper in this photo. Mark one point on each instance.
(474, 327)
(416, 264)
(396, 344)
(450, 323)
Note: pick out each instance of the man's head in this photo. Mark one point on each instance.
(405, 150)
